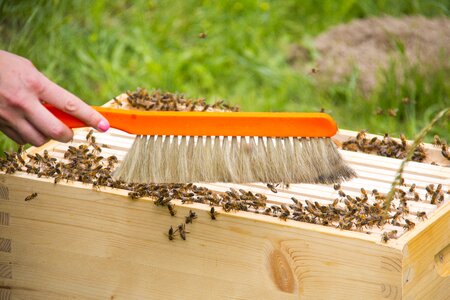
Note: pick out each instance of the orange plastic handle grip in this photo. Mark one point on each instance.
(270, 124)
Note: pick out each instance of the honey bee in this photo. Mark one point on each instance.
(337, 187)
(430, 189)
(284, 212)
(403, 140)
(409, 225)
(314, 71)
(439, 188)
(361, 135)
(437, 141)
(421, 215)
(412, 188)
(386, 236)
(89, 135)
(189, 218)
(20, 159)
(20, 149)
(363, 192)
(171, 233)
(96, 147)
(116, 101)
(434, 197)
(202, 35)
(172, 210)
(31, 197)
(182, 231)
(341, 193)
(273, 187)
(212, 213)
(445, 151)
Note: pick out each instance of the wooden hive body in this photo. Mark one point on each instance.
(76, 242)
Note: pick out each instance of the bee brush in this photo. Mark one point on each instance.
(172, 146)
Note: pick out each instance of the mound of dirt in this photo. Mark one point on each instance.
(371, 44)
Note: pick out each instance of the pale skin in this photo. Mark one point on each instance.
(23, 118)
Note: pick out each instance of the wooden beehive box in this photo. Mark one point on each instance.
(76, 242)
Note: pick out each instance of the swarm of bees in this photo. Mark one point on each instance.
(85, 163)
(157, 100)
(386, 146)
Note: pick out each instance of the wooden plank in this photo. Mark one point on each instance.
(426, 262)
(76, 242)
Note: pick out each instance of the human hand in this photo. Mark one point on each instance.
(23, 117)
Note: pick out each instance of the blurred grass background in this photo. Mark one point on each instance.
(98, 49)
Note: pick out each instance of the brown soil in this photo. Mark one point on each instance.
(371, 44)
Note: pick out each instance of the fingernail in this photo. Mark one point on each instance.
(103, 125)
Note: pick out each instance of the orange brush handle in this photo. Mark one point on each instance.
(268, 124)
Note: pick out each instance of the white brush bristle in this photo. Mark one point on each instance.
(175, 159)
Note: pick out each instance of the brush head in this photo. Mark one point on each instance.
(169, 159)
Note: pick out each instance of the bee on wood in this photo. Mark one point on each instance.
(421, 215)
(172, 210)
(445, 151)
(386, 236)
(182, 231)
(191, 217)
(284, 212)
(116, 101)
(89, 135)
(171, 233)
(31, 197)
(96, 147)
(267, 211)
(430, 188)
(20, 159)
(409, 225)
(273, 187)
(363, 192)
(412, 188)
(217, 104)
(212, 213)
(437, 141)
(20, 149)
(134, 195)
(403, 140)
(341, 193)
(337, 187)
(434, 197)
(361, 135)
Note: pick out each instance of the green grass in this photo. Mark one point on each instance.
(98, 49)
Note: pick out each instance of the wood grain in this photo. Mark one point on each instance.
(76, 242)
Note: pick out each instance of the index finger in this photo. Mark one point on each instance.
(71, 104)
